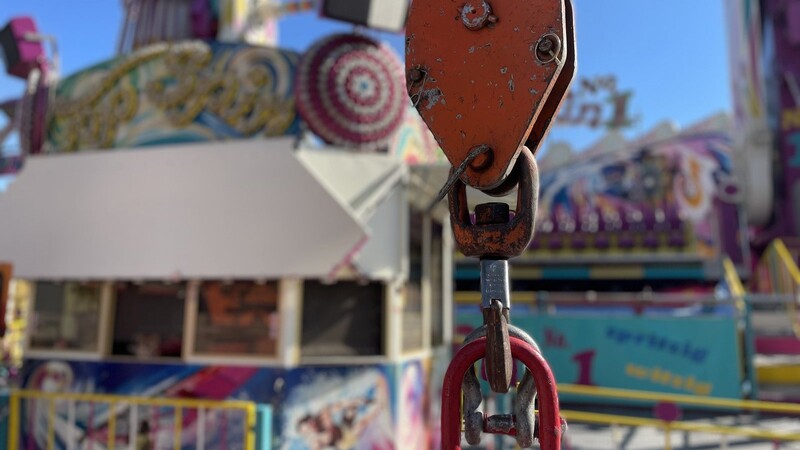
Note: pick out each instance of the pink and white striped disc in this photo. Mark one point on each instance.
(350, 91)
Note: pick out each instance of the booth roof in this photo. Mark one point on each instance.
(247, 209)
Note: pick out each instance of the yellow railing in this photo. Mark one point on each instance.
(178, 405)
(784, 277)
(701, 402)
(734, 283)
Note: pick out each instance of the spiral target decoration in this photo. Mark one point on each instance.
(350, 91)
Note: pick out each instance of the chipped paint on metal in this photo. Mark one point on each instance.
(432, 98)
(475, 17)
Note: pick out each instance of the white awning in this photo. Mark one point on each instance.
(375, 188)
(247, 209)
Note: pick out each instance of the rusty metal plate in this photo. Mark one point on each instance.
(552, 104)
(479, 73)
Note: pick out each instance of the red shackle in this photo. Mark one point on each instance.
(549, 417)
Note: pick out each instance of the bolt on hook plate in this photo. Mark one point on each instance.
(489, 87)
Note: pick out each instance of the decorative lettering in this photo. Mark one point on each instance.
(657, 342)
(585, 360)
(586, 105)
(553, 338)
(663, 377)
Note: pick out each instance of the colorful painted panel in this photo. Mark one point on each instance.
(344, 408)
(414, 143)
(782, 66)
(660, 197)
(694, 356)
(373, 407)
(236, 21)
(185, 92)
(744, 43)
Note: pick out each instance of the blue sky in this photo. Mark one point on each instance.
(671, 54)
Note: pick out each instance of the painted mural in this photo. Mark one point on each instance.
(675, 180)
(168, 93)
(413, 415)
(378, 407)
(341, 409)
(414, 143)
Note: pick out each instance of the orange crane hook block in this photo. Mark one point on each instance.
(489, 74)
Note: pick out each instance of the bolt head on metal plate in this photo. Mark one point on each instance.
(482, 83)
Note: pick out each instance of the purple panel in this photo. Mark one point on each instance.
(556, 241)
(21, 55)
(650, 239)
(626, 222)
(602, 241)
(649, 218)
(729, 231)
(626, 240)
(204, 21)
(783, 81)
(676, 239)
(579, 241)
(793, 22)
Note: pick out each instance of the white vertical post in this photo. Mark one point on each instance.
(290, 308)
(71, 424)
(107, 308)
(133, 428)
(393, 319)
(190, 318)
(427, 289)
(201, 428)
(448, 247)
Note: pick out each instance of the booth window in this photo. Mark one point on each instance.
(66, 316)
(342, 319)
(238, 318)
(412, 301)
(437, 286)
(148, 320)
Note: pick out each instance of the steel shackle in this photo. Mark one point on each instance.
(549, 418)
